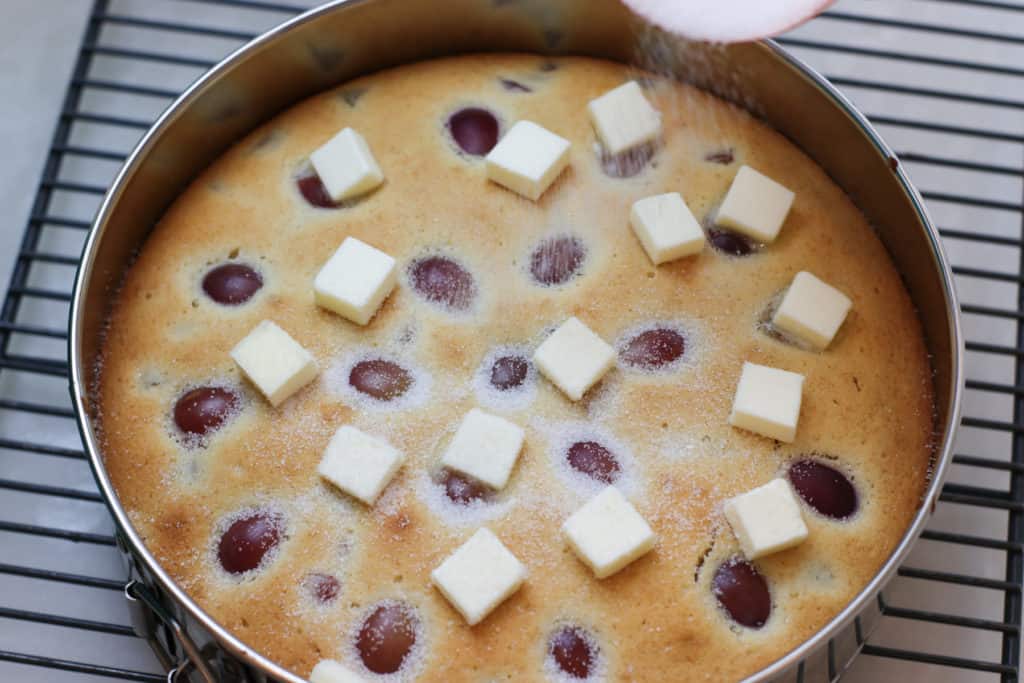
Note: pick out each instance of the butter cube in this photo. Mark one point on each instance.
(479, 576)
(274, 362)
(355, 281)
(812, 310)
(766, 519)
(767, 402)
(359, 464)
(574, 358)
(666, 227)
(485, 447)
(624, 119)
(755, 205)
(346, 166)
(528, 159)
(330, 671)
(607, 533)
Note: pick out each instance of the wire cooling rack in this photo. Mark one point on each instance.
(942, 80)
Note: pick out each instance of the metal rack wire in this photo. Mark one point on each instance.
(938, 77)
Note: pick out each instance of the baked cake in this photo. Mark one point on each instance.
(505, 368)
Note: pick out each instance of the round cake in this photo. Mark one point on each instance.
(338, 516)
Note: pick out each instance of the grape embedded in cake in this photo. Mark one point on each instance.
(463, 490)
(574, 651)
(654, 349)
(388, 637)
(557, 260)
(742, 591)
(443, 281)
(825, 489)
(730, 243)
(232, 283)
(594, 460)
(474, 130)
(203, 410)
(381, 379)
(509, 372)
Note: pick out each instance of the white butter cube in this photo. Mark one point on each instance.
(355, 281)
(666, 227)
(330, 671)
(766, 519)
(479, 576)
(574, 358)
(274, 362)
(528, 159)
(812, 310)
(624, 119)
(607, 533)
(359, 464)
(767, 402)
(346, 166)
(755, 205)
(485, 447)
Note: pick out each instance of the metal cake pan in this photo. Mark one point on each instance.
(348, 38)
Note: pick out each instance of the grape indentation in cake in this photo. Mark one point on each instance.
(203, 410)
(515, 86)
(323, 588)
(387, 637)
(573, 651)
(557, 260)
(824, 488)
(475, 130)
(231, 284)
(629, 163)
(442, 281)
(509, 372)
(724, 157)
(313, 190)
(653, 349)
(594, 460)
(248, 540)
(731, 243)
(380, 379)
(742, 592)
(463, 490)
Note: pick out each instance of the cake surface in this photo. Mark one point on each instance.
(661, 435)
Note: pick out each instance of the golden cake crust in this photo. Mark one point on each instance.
(867, 399)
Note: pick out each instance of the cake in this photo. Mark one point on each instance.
(754, 466)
